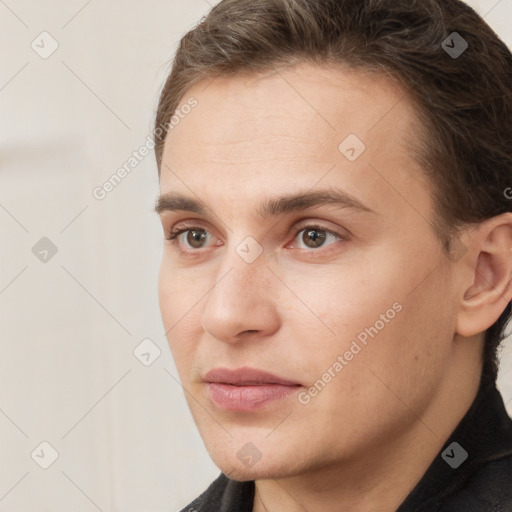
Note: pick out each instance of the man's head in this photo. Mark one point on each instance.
(395, 296)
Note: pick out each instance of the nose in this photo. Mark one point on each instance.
(242, 300)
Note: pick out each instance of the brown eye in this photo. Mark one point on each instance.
(195, 238)
(314, 237)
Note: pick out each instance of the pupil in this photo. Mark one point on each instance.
(314, 235)
(195, 237)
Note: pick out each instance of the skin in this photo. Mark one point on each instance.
(296, 308)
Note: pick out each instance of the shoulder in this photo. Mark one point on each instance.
(488, 490)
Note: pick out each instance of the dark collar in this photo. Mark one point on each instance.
(485, 433)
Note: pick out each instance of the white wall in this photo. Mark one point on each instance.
(68, 375)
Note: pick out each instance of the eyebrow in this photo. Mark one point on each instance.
(173, 201)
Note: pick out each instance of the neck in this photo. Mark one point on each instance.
(380, 479)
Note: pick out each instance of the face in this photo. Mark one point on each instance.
(345, 301)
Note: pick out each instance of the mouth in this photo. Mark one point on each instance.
(246, 389)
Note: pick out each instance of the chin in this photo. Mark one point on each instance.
(245, 474)
(241, 475)
(261, 470)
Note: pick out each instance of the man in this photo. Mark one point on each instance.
(336, 278)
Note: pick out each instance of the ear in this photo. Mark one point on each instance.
(486, 275)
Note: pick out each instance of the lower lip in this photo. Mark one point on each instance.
(247, 398)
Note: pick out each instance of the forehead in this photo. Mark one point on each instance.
(289, 128)
(339, 97)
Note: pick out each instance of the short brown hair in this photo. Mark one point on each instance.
(464, 102)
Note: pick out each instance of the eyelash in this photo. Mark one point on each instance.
(177, 231)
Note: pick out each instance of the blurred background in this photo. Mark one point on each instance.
(92, 415)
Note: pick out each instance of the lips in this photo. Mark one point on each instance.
(245, 376)
(246, 389)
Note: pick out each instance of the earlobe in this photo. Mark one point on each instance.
(490, 289)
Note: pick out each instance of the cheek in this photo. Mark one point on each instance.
(378, 307)
(344, 302)
(178, 292)
(179, 312)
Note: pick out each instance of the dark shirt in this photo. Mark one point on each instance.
(480, 482)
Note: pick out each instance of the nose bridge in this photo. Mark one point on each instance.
(240, 299)
(241, 276)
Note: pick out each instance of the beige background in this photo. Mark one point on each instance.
(68, 375)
